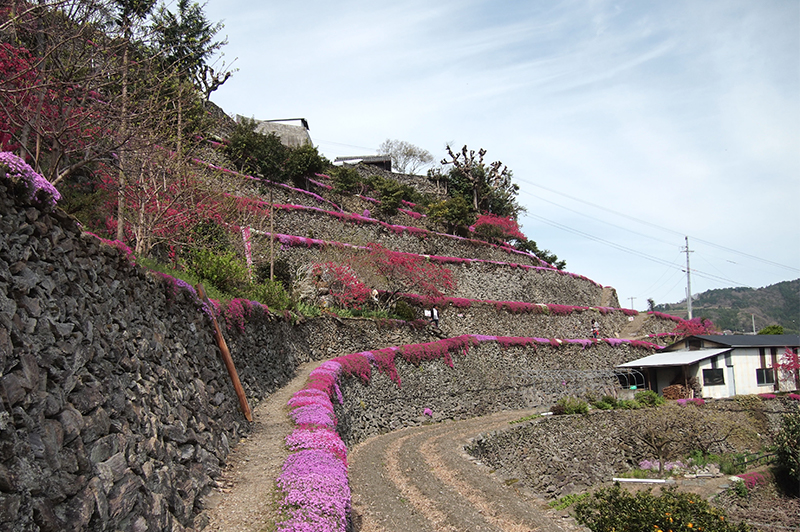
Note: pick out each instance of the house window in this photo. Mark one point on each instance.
(765, 376)
(694, 343)
(713, 377)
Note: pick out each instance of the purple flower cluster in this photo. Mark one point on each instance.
(767, 395)
(314, 477)
(696, 401)
(39, 189)
(794, 396)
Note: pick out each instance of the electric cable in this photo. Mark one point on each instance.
(651, 224)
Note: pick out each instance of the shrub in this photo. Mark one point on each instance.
(304, 162)
(270, 293)
(614, 509)
(629, 404)
(602, 405)
(404, 311)
(649, 398)
(570, 405)
(787, 450)
(347, 180)
(223, 270)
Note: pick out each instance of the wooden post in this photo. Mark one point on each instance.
(226, 358)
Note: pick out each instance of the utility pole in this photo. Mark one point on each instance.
(688, 280)
(632, 298)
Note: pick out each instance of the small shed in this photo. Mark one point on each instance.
(717, 366)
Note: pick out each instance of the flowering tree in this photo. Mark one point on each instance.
(345, 287)
(789, 366)
(695, 326)
(406, 273)
(498, 228)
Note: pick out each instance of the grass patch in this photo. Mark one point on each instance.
(566, 501)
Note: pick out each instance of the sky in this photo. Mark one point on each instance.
(628, 125)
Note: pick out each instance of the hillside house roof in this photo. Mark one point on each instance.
(684, 357)
(381, 161)
(739, 340)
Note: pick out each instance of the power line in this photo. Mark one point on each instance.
(572, 230)
(651, 224)
(597, 219)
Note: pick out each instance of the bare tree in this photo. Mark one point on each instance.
(406, 158)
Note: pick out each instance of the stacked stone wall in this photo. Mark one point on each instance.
(487, 379)
(322, 226)
(475, 280)
(559, 455)
(116, 412)
(485, 318)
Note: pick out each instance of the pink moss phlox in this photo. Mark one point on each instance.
(357, 365)
(325, 378)
(698, 401)
(615, 342)
(414, 214)
(326, 186)
(513, 341)
(315, 414)
(324, 176)
(236, 311)
(754, 478)
(666, 316)
(794, 396)
(39, 189)
(767, 395)
(316, 492)
(321, 438)
(384, 361)
(629, 312)
(427, 412)
(583, 342)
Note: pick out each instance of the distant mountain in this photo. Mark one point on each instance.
(735, 309)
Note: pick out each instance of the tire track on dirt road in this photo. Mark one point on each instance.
(420, 479)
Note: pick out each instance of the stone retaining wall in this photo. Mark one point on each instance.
(559, 455)
(116, 412)
(312, 224)
(485, 318)
(487, 379)
(478, 280)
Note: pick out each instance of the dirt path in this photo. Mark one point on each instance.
(245, 502)
(420, 479)
(632, 329)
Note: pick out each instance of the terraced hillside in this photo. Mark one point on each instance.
(117, 412)
(515, 334)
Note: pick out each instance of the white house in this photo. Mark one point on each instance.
(718, 366)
